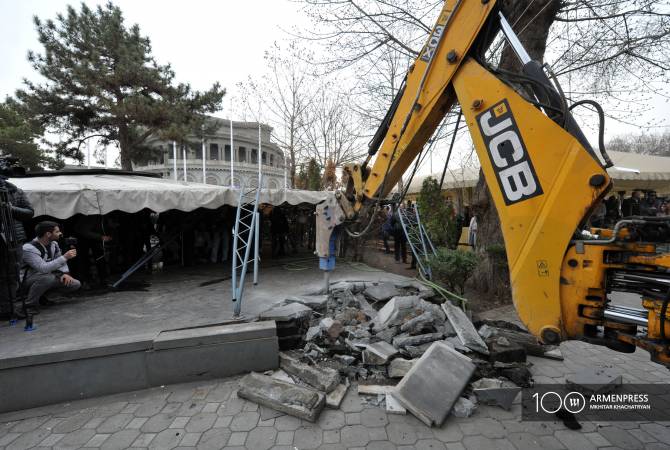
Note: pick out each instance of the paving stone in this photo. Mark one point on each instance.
(189, 440)
(250, 406)
(331, 419)
(352, 418)
(287, 423)
(402, 434)
(393, 406)
(377, 434)
(595, 379)
(381, 292)
(31, 424)
(94, 422)
(214, 439)
(464, 328)
(238, 438)
(404, 340)
(598, 440)
(76, 439)
(201, 422)
(269, 413)
(660, 432)
(245, 421)
(167, 439)
(211, 407)
(223, 422)
(72, 423)
(170, 408)
(399, 367)
(109, 409)
(97, 440)
(381, 445)
(231, 406)
(120, 440)
(374, 417)
(430, 444)
(334, 398)
(144, 440)
(289, 398)
(484, 443)
(485, 426)
(266, 423)
(28, 439)
(574, 439)
(190, 408)
(130, 408)
(434, 383)
(51, 440)
(136, 423)
(448, 432)
(351, 402)
(307, 438)
(8, 438)
(331, 447)
(157, 423)
(114, 423)
(285, 437)
(354, 436)
(620, 438)
(379, 353)
(261, 438)
(179, 422)
(220, 393)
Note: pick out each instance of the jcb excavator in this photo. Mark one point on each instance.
(545, 181)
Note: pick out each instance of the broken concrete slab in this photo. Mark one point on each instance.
(288, 398)
(506, 353)
(315, 302)
(342, 286)
(418, 323)
(381, 292)
(415, 341)
(463, 407)
(333, 328)
(554, 353)
(345, 359)
(313, 333)
(596, 380)
(334, 398)
(493, 391)
(387, 334)
(375, 389)
(399, 367)
(393, 312)
(269, 413)
(456, 342)
(366, 307)
(322, 378)
(416, 351)
(435, 382)
(378, 353)
(284, 312)
(393, 406)
(464, 328)
(282, 376)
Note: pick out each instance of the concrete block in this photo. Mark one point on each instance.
(288, 398)
(387, 334)
(321, 378)
(405, 341)
(434, 383)
(375, 389)
(594, 380)
(554, 353)
(416, 351)
(506, 353)
(464, 328)
(218, 334)
(283, 312)
(381, 292)
(393, 406)
(399, 367)
(334, 398)
(315, 302)
(313, 333)
(493, 391)
(378, 353)
(393, 312)
(418, 323)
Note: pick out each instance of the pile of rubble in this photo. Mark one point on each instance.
(404, 346)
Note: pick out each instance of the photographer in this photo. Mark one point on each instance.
(45, 268)
(14, 208)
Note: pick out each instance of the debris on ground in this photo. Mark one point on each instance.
(404, 347)
(594, 380)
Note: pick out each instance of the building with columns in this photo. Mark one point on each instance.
(218, 156)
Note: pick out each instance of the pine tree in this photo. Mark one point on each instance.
(313, 175)
(19, 136)
(101, 81)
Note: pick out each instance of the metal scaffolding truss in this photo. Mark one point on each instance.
(245, 240)
(418, 239)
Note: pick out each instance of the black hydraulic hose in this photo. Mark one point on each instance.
(601, 128)
(451, 147)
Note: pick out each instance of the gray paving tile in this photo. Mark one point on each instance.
(76, 439)
(244, 421)
(448, 432)
(201, 422)
(97, 440)
(380, 445)
(286, 437)
(157, 423)
(167, 439)
(659, 432)
(120, 440)
(114, 423)
(238, 438)
(354, 436)
(374, 417)
(287, 423)
(352, 418)
(331, 419)
(215, 438)
(261, 438)
(144, 439)
(574, 439)
(621, 438)
(29, 424)
(190, 439)
(378, 434)
(51, 440)
(401, 434)
(331, 436)
(430, 444)
(307, 437)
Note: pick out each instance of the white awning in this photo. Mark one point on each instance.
(63, 196)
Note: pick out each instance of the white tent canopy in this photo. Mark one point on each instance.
(654, 174)
(63, 196)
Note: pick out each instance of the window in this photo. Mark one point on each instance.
(242, 152)
(226, 152)
(265, 158)
(198, 152)
(254, 156)
(214, 151)
(272, 159)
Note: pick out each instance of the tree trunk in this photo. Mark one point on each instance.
(124, 149)
(492, 275)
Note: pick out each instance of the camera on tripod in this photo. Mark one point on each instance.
(70, 242)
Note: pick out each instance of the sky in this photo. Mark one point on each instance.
(205, 41)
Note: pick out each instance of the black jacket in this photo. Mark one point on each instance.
(22, 210)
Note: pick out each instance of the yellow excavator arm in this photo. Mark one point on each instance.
(544, 179)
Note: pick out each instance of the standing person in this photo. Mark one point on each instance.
(399, 241)
(472, 231)
(45, 267)
(278, 229)
(631, 206)
(15, 208)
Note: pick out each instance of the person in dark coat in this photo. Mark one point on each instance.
(17, 209)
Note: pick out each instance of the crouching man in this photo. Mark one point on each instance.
(44, 267)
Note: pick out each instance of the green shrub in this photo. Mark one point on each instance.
(453, 267)
(437, 215)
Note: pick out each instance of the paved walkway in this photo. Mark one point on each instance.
(210, 415)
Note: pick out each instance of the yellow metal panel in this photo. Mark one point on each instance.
(434, 99)
(538, 175)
